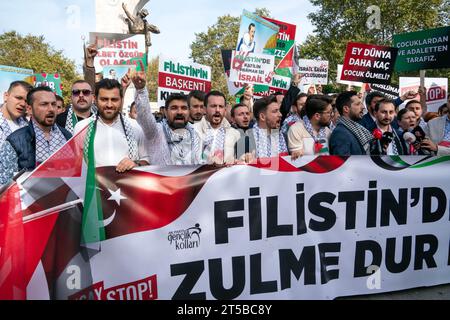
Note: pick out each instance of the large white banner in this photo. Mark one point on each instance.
(319, 228)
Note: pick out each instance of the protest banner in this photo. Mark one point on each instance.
(9, 74)
(279, 83)
(437, 90)
(51, 80)
(252, 68)
(390, 91)
(176, 77)
(368, 63)
(237, 88)
(348, 83)
(256, 35)
(119, 49)
(284, 51)
(117, 72)
(313, 71)
(323, 228)
(427, 49)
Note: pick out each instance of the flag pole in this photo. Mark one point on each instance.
(62, 207)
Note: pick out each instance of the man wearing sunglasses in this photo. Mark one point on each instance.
(81, 107)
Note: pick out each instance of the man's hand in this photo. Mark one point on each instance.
(140, 79)
(247, 158)
(296, 79)
(411, 94)
(90, 53)
(296, 154)
(126, 80)
(125, 165)
(429, 145)
(422, 91)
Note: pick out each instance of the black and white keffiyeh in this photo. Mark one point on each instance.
(46, 147)
(129, 135)
(180, 154)
(361, 133)
(214, 144)
(5, 129)
(269, 145)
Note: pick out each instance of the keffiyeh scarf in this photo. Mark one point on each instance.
(362, 134)
(129, 135)
(268, 145)
(174, 140)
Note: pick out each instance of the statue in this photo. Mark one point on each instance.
(138, 24)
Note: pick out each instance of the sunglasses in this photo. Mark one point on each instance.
(85, 92)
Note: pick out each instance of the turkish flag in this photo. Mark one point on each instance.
(146, 200)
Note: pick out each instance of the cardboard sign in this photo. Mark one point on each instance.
(348, 83)
(10, 74)
(256, 35)
(117, 72)
(427, 49)
(284, 51)
(181, 77)
(313, 71)
(391, 92)
(51, 80)
(252, 68)
(119, 49)
(368, 63)
(437, 90)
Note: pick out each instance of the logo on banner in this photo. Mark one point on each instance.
(185, 239)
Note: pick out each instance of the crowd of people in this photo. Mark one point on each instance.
(201, 128)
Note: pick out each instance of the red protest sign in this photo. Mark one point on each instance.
(368, 63)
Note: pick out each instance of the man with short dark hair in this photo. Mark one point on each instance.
(196, 105)
(81, 107)
(173, 141)
(118, 141)
(60, 107)
(416, 107)
(311, 136)
(216, 133)
(384, 112)
(349, 137)
(12, 111)
(268, 140)
(297, 109)
(241, 117)
(368, 121)
(132, 113)
(31, 145)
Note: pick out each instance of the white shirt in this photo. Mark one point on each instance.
(13, 125)
(110, 143)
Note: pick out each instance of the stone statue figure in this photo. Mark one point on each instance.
(138, 25)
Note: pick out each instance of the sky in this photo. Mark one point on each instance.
(64, 23)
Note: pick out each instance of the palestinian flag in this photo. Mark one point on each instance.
(55, 221)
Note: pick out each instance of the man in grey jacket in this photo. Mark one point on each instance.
(173, 141)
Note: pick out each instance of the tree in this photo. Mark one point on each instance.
(32, 52)
(337, 24)
(152, 78)
(207, 46)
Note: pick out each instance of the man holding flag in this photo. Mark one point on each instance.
(117, 141)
